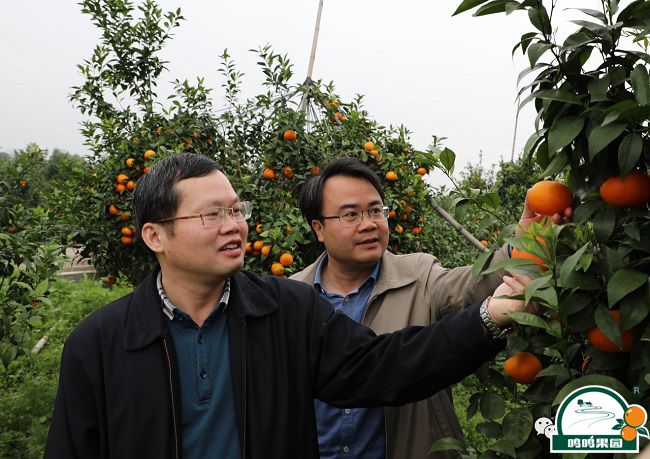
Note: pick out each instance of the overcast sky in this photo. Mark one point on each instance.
(415, 63)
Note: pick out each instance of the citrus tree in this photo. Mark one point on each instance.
(268, 145)
(592, 97)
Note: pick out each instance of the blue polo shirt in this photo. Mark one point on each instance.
(209, 425)
(350, 432)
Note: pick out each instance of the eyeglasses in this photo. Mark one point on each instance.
(213, 217)
(354, 217)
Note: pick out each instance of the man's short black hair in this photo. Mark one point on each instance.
(310, 200)
(155, 196)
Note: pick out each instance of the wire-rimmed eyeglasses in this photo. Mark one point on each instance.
(213, 217)
(354, 217)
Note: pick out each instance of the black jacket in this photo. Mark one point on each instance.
(118, 392)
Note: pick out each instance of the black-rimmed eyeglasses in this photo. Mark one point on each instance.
(213, 217)
(354, 217)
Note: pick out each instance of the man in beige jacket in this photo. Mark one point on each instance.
(386, 292)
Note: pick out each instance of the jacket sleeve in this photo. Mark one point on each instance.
(453, 289)
(354, 367)
(74, 429)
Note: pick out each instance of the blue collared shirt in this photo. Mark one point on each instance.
(207, 401)
(350, 433)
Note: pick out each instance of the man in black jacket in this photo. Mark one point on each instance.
(205, 360)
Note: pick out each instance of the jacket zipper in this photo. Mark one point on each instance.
(171, 391)
(243, 449)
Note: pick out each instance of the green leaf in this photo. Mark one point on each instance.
(598, 88)
(489, 429)
(539, 18)
(623, 282)
(635, 308)
(492, 405)
(629, 152)
(495, 6)
(578, 38)
(536, 50)
(601, 136)
(640, 84)
(517, 425)
(564, 131)
(592, 380)
(468, 5)
(480, 263)
(555, 370)
(608, 325)
(570, 263)
(556, 165)
(447, 443)
(447, 158)
(594, 13)
(531, 320)
(586, 210)
(560, 95)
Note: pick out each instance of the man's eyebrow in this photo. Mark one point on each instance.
(372, 203)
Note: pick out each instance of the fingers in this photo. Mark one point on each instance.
(515, 285)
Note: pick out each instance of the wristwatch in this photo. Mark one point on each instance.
(493, 330)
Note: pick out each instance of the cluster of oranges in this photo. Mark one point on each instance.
(372, 150)
(126, 181)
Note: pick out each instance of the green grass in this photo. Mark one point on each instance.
(28, 386)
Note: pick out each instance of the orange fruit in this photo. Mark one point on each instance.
(249, 247)
(130, 185)
(126, 231)
(399, 229)
(120, 188)
(111, 280)
(335, 103)
(340, 116)
(146, 169)
(259, 228)
(113, 210)
(522, 367)
(391, 176)
(516, 253)
(290, 135)
(277, 269)
(158, 130)
(149, 154)
(628, 433)
(601, 342)
(368, 146)
(635, 416)
(286, 259)
(266, 250)
(421, 171)
(256, 253)
(258, 245)
(485, 243)
(195, 134)
(416, 230)
(391, 213)
(23, 183)
(549, 197)
(130, 162)
(269, 174)
(125, 217)
(287, 172)
(126, 240)
(122, 178)
(631, 191)
(315, 170)
(374, 152)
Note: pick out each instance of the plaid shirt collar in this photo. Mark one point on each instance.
(168, 307)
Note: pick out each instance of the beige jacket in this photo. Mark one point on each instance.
(415, 289)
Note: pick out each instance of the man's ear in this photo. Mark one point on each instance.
(318, 228)
(154, 236)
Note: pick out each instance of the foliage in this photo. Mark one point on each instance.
(591, 96)
(28, 385)
(246, 138)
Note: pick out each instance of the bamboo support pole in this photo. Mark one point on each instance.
(452, 221)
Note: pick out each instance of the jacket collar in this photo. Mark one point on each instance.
(394, 273)
(145, 321)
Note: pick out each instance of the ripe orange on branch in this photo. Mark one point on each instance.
(277, 269)
(290, 135)
(287, 172)
(549, 197)
(601, 342)
(269, 174)
(421, 171)
(286, 259)
(368, 146)
(391, 176)
(122, 178)
(522, 367)
(633, 190)
(149, 154)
